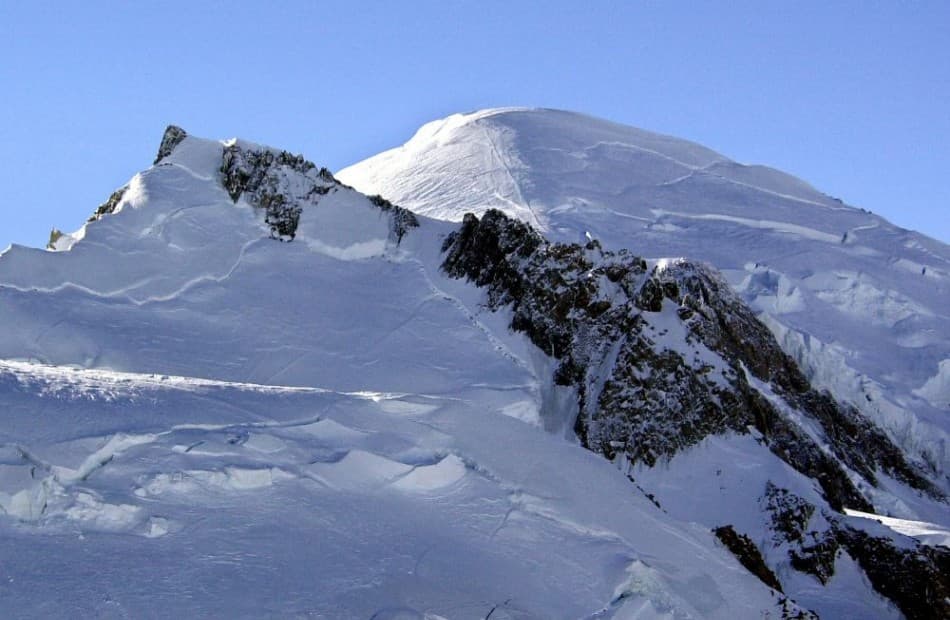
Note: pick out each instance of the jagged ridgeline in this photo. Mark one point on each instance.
(279, 183)
(662, 356)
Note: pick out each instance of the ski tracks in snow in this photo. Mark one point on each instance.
(442, 294)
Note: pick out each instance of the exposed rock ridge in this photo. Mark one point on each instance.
(662, 357)
(717, 316)
(173, 137)
(54, 236)
(644, 392)
(748, 554)
(915, 577)
(283, 184)
(108, 206)
(402, 219)
(279, 183)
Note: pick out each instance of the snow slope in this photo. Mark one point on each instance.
(860, 303)
(201, 498)
(201, 420)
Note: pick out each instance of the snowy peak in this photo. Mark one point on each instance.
(858, 302)
(180, 377)
(506, 158)
(277, 185)
(172, 138)
(236, 333)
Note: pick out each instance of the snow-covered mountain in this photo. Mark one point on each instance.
(861, 304)
(244, 389)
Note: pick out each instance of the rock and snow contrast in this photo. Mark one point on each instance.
(861, 304)
(244, 389)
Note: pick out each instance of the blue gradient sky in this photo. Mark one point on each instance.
(854, 97)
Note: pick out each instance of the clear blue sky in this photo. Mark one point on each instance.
(854, 97)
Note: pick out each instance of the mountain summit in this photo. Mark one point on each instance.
(245, 389)
(859, 303)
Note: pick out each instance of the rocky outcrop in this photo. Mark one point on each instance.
(789, 513)
(109, 205)
(54, 236)
(173, 137)
(264, 178)
(914, 576)
(662, 356)
(916, 579)
(717, 316)
(748, 555)
(283, 185)
(402, 219)
(810, 548)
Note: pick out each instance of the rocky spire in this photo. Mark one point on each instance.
(172, 138)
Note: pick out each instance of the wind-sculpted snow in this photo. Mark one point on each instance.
(196, 497)
(226, 425)
(859, 303)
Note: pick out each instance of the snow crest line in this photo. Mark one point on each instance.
(122, 293)
(52, 373)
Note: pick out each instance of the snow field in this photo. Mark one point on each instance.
(442, 508)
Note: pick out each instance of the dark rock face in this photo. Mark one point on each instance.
(816, 558)
(917, 579)
(790, 514)
(109, 205)
(748, 555)
(261, 175)
(172, 138)
(283, 184)
(914, 576)
(810, 550)
(716, 316)
(54, 236)
(662, 357)
(645, 382)
(402, 219)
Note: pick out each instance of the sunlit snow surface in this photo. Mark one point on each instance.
(199, 421)
(929, 533)
(155, 496)
(860, 303)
